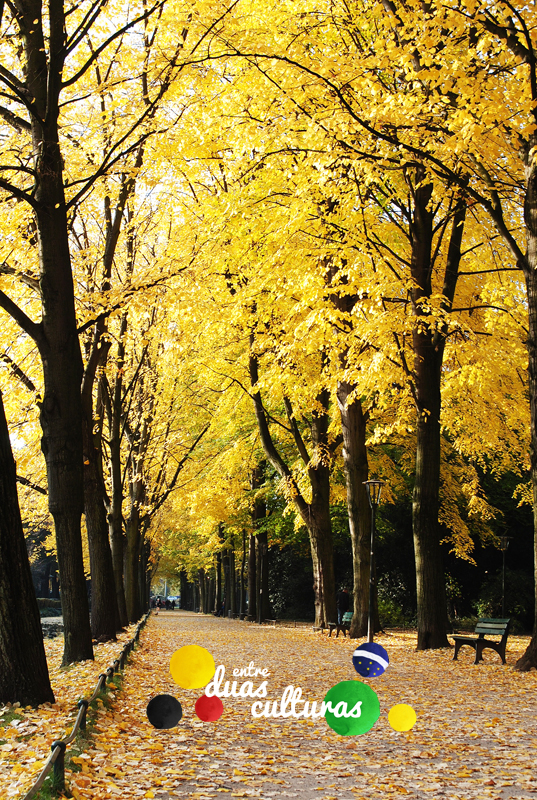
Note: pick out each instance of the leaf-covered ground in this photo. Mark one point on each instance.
(475, 735)
(26, 734)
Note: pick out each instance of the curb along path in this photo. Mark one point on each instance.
(476, 734)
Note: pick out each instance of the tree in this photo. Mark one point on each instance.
(373, 139)
(47, 44)
(23, 665)
(45, 48)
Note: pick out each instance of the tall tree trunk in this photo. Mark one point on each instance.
(353, 426)
(430, 581)
(263, 602)
(254, 555)
(232, 583)
(115, 522)
(132, 572)
(252, 579)
(529, 658)
(320, 530)
(61, 412)
(242, 605)
(104, 611)
(23, 665)
(115, 508)
(218, 587)
(56, 335)
(149, 574)
(211, 595)
(203, 596)
(428, 338)
(143, 565)
(227, 580)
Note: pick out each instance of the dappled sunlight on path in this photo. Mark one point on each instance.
(475, 735)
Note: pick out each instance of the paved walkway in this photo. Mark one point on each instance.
(476, 734)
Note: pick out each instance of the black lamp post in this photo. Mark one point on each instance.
(374, 489)
(504, 544)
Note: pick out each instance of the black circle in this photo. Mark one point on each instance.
(164, 711)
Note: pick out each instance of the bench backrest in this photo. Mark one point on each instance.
(347, 618)
(494, 627)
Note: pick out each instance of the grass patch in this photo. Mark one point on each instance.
(6, 718)
(9, 716)
(47, 791)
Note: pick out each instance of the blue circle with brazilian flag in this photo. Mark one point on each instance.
(370, 660)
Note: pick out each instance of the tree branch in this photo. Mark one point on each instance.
(268, 445)
(178, 469)
(16, 192)
(31, 484)
(30, 281)
(33, 329)
(74, 78)
(18, 372)
(15, 121)
(299, 441)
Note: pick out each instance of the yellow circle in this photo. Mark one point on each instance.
(402, 717)
(192, 667)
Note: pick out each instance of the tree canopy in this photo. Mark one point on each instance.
(252, 255)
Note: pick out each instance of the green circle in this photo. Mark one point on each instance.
(364, 715)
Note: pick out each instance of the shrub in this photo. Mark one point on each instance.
(519, 599)
(390, 614)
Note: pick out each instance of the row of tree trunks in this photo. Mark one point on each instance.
(206, 584)
(190, 594)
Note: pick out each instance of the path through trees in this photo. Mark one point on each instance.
(475, 735)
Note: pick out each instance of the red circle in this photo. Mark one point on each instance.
(209, 709)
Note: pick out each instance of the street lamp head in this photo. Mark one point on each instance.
(374, 488)
(504, 542)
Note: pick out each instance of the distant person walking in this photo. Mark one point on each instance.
(342, 603)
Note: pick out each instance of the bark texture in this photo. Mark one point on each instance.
(23, 665)
(353, 426)
(529, 658)
(56, 335)
(61, 414)
(252, 579)
(428, 340)
(104, 612)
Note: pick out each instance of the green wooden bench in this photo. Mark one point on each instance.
(485, 626)
(345, 624)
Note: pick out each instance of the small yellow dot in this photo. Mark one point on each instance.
(402, 717)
